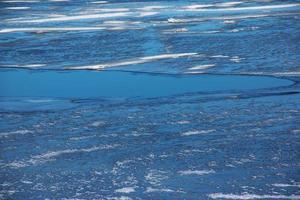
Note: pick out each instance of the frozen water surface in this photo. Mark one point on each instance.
(149, 99)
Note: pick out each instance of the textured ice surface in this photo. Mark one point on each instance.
(198, 120)
(252, 36)
(135, 148)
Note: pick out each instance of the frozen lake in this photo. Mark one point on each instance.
(125, 100)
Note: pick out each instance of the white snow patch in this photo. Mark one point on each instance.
(98, 123)
(52, 154)
(155, 177)
(287, 73)
(17, 164)
(110, 10)
(229, 22)
(202, 67)
(173, 20)
(219, 56)
(50, 29)
(134, 61)
(235, 59)
(27, 182)
(269, 7)
(59, 0)
(150, 189)
(252, 196)
(229, 4)
(21, 132)
(99, 2)
(144, 14)
(183, 122)
(125, 190)
(188, 133)
(197, 6)
(150, 8)
(17, 8)
(76, 17)
(196, 172)
(20, 1)
(285, 185)
(119, 198)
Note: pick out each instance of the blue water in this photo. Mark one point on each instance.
(125, 100)
(89, 85)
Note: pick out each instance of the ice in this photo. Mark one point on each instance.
(188, 133)
(99, 2)
(229, 4)
(49, 29)
(125, 190)
(12, 133)
(53, 154)
(150, 189)
(144, 14)
(267, 7)
(151, 8)
(17, 8)
(77, 17)
(251, 196)
(59, 0)
(134, 61)
(196, 172)
(20, 1)
(155, 177)
(285, 185)
(149, 99)
(201, 67)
